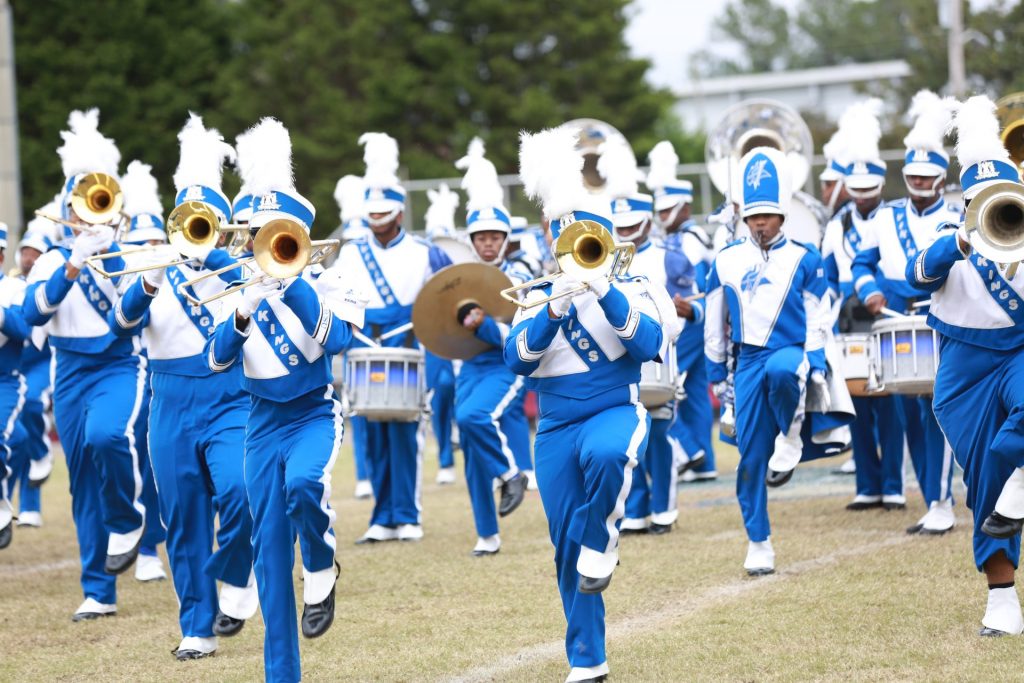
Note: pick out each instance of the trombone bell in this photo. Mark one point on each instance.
(282, 248)
(193, 228)
(1010, 112)
(995, 222)
(97, 198)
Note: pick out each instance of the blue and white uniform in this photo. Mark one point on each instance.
(13, 387)
(895, 237)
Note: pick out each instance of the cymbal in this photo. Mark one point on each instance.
(434, 311)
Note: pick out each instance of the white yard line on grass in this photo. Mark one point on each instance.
(28, 569)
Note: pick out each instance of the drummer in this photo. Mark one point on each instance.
(488, 395)
(651, 506)
(900, 231)
(878, 427)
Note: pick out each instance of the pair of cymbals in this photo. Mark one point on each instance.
(434, 313)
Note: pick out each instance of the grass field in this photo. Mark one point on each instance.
(854, 599)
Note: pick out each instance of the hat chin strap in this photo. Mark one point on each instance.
(933, 191)
(384, 220)
(637, 234)
(865, 194)
(671, 217)
(496, 261)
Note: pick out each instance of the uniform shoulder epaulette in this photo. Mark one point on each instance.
(424, 241)
(893, 203)
(701, 234)
(808, 246)
(733, 243)
(946, 225)
(955, 208)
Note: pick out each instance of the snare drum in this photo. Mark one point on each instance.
(856, 364)
(905, 354)
(384, 384)
(658, 380)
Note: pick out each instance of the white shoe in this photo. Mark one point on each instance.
(364, 489)
(92, 609)
(1010, 503)
(760, 558)
(39, 470)
(635, 524)
(119, 544)
(487, 546)
(586, 673)
(239, 603)
(1003, 612)
(445, 476)
(410, 532)
(940, 517)
(201, 647)
(377, 533)
(848, 467)
(688, 476)
(531, 479)
(788, 449)
(34, 519)
(149, 568)
(894, 499)
(6, 513)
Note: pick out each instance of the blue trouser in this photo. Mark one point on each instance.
(769, 387)
(359, 447)
(12, 397)
(198, 457)
(931, 456)
(585, 453)
(155, 532)
(691, 430)
(441, 382)
(290, 449)
(493, 430)
(979, 402)
(393, 451)
(654, 486)
(35, 425)
(96, 401)
(878, 426)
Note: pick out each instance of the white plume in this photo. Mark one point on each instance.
(203, 152)
(380, 154)
(861, 130)
(550, 168)
(350, 193)
(85, 149)
(617, 166)
(932, 116)
(481, 180)
(836, 149)
(141, 193)
(265, 158)
(440, 216)
(663, 160)
(977, 137)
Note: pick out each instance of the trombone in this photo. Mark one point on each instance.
(192, 231)
(995, 225)
(282, 249)
(96, 199)
(583, 251)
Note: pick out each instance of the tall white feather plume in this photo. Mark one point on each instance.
(380, 154)
(85, 149)
(617, 166)
(203, 152)
(481, 179)
(663, 160)
(862, 130)
(932, 116)
(550, 168)
(440, 216)
(265, 158)
(977, 137)
(141, 193)
(350, 193)
(836, 147)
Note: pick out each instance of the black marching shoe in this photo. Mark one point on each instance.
(512, 493)
(634, 532)
(118, 564)
(859, 505)
(659, 529)
(915, 529)
(890, 507)
(590, 585)
(6, 534)
(995, 525)
(185, 655)
(316, 619)
(691, 465)
(775, 479)
(226, 626)
(987, 632)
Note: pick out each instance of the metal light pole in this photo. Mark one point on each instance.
(955, 49)
(10, 175)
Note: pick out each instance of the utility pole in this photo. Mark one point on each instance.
(10, 174)
(955, 47)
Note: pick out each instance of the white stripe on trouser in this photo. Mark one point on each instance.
(947, 463)
(129, 432)
(325, 478)
(420, 439)
(496, 416)
(12, 420)
(627, 473)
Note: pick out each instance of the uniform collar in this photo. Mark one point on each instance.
(644, 247)
(930, 210)
(393, 243)
(856, 212)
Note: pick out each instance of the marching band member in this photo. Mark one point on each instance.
(390, 268)
(772, 291)
(651, 504)
(583, 355)
(979, 395)
(488, 395)
(13, 332)
(144, 212)
(897, 234)
(852, 155)
(350, 193)
(197, 454)
(439, 221)
(284, 335)
(98, 382)
(690, 433)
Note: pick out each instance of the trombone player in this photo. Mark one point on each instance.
(98, 377)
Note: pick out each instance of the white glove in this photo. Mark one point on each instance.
(154, 278)
(253, 295)
(600, 286)
(90, 243)
(560, 306)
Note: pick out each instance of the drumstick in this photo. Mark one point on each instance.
(921, 304)
(694, 297)
(891, 313)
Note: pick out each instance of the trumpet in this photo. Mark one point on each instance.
(584, 251)
(192, 231)
(282, 249)
(96, 199)
(995, 224)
